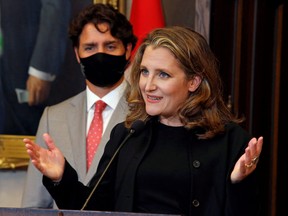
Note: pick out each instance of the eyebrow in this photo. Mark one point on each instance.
(112, 42)
(89, 44)
(105, 43)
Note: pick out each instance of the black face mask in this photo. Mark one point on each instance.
(102, 69)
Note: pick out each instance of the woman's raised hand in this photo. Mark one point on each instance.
(247, 163)
(50, 162)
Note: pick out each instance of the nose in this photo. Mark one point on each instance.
(100, 48)
(150, 84)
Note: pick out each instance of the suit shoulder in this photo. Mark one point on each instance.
(78, 99)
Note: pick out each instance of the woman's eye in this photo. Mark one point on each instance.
(164, 74)
(144, 72)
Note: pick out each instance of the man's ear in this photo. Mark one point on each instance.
(76, 54)
(128, 50)
(194, 83)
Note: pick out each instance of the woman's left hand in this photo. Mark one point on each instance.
(247, 163)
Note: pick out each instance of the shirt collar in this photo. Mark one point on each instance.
(111, 99)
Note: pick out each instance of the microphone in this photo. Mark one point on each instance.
(135, 128)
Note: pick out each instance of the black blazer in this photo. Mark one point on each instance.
(211, 163)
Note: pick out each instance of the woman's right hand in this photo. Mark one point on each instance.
(50, 162)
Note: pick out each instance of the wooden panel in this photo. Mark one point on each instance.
(221, 40)
(250, 41)
(281, 128)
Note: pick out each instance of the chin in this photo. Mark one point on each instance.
(152, 113)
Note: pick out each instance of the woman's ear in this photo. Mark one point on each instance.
(76, 54)
(194, 83)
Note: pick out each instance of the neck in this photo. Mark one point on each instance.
(102, 91)
(171, 121)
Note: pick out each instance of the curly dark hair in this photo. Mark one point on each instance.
(120, 27)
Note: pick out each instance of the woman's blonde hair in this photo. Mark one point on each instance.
(205, 107)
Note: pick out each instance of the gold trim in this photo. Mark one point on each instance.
(118, 4)
(13, 152)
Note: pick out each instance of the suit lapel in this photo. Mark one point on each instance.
(77, 116)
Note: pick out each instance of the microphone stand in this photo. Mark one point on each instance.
(131, 132)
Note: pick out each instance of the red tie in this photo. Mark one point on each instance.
(95, 132)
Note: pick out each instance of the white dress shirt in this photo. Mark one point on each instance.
(111, 99)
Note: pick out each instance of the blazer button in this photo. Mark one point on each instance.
(195, 203)
(196, 164)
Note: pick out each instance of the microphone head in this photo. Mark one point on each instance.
(137, 126)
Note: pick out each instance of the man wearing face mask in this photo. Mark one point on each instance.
(103, 40)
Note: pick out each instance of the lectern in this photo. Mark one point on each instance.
(54, 212)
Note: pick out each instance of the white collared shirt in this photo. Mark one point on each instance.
(111, 99)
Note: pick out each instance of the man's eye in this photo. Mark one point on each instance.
(111, 47)
(88, 48)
